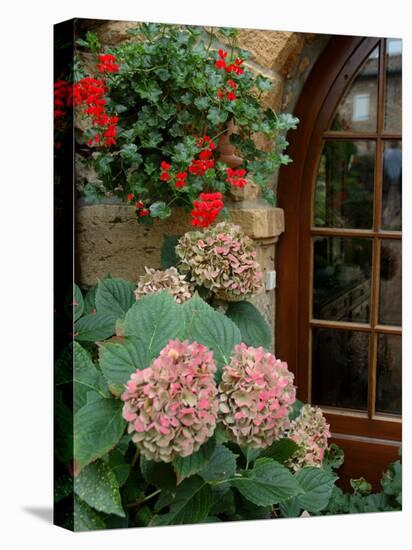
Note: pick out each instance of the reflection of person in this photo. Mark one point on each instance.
(392, 170)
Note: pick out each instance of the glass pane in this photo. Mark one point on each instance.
(389, 374)
(342, 279)
(392, 186)
(393, 89)
(390, 301)
(340, 368)
(344, 185)
(357, 109)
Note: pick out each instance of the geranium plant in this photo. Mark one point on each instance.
(153, 112)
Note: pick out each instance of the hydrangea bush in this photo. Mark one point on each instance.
(175, 419)
(170, 280)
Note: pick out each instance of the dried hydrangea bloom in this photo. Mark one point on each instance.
(169, 280)
(171, 406)
(256, 395)
(221, 258)
(311, 432)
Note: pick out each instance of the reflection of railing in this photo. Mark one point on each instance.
(351, 304)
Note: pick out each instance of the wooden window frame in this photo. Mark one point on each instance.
(336, 67)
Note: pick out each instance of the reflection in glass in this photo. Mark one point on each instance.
(390, 292)
(340, 368)
(393, 89)
(389, 374)
(344, 185)
(392, 186)
(342, 279)
(358, 107)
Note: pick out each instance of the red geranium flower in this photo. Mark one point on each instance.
(165, 166)
(231, 96)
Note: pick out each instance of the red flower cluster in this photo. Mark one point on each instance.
(236, 177)
(107, 64)
(89, 92)
(181, 179)
(63, 98)
(232, 67)
(207, 209)
(205, 161)
(141, 210)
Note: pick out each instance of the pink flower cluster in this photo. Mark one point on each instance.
(311, 432)
(255, 397)
(172, 405)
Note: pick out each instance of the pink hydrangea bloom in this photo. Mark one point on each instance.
(256, 395)
(172, 405)
(223, 259)
(311, 432)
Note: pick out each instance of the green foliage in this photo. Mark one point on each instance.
(168, 255)
(254, 329)
(165, 92)
(207, 326)
(97, 486)
(114, 486)
(98, 426)
(94, 327)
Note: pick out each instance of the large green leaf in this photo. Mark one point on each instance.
(192, 503)
(159, 474)
(85, 518)
(222, 465)
(86, 377)
(98, 426)
(207, 326)
(114, 297)
(118, 360)
(192, 464)
(267, 483)
(97, 486)
(317, 485)
(254, 329)
(93, 327)
(281, 450)
(155, 319)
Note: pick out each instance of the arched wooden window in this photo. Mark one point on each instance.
(339, 261)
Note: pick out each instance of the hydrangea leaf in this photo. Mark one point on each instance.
(254, 329)
(94, 327)
(118, 360)
(85, 518)
(207, 326)
(317, 485)
(267, 483)
(281, 450)
(97, 486)
(222, 465)
(192, 503)
(159, 474)
(114, 297)
(98, 426)
(86, 377)
(189, 465)
(155, 319)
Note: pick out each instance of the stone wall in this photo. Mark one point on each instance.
(109, 240)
